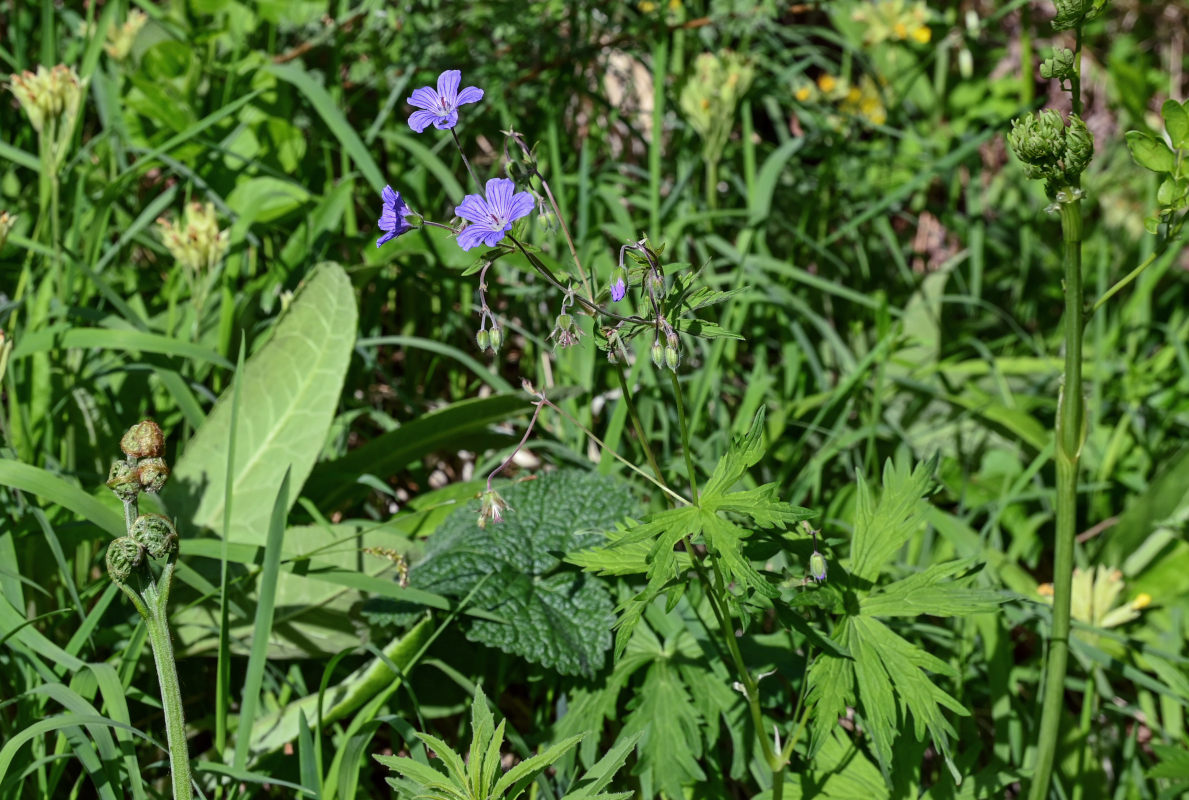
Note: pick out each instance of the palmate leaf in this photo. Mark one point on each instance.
(670, 729)
(477, 776)
(888, 676)
(882, 528)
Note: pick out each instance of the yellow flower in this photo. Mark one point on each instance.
(923, 34)
(900, 31)
(646, 6)
(827, 82)
(119, 40)
(803, 93)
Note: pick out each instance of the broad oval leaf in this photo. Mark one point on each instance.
(1150, 152)
(289, 391)
(1176, 122)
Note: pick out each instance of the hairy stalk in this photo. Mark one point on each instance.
(685, 438)
(1070, 435)
(636, 423)
(171, 694)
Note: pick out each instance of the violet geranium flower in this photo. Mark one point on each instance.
(392, 217)
(492, 216)
(441, 107)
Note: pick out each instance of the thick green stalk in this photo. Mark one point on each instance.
(171, 694)
(1070, 435)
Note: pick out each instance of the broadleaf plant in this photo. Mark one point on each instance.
(886, 675)
(723, 538)
(551, 615)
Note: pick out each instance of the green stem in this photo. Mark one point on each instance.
(636, 423)
(711, 184)
(157, 623)
(685, 439)
(1085, 753)
(1070, 435)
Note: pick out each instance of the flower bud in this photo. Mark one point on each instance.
(123, 555)
(672, 357)
(1075, 13)
(120, 38)
(123, 480)
(817, 566)
(619, 284)
(483, 339)
(144, 439)
(155, 534)
(1060, 66)
(496, 337)
(152, 474)
(658, 354)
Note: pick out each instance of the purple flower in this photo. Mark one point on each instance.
(619, 285)
(441, 107)
(492, 217)
(392, 217)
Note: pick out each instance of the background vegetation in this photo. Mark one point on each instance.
(898, 295)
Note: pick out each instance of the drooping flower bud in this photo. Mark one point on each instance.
(123, 556)
(483, 339)
(496, 338)
(658, 354)
(124, 481)
(619, 284)
(152, 474)
(817, 566)
(143, 440)
(155, 534)
(672, 357)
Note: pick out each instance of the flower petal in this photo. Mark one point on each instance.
(471, 236)
(389, 196)
(471, 94)
(499, 195)
(618, 290)
(473, 208)
(425, 97)
(419, 120)
(521, 205)
(385, 238)
(447, 122)
(448, 86)
(495, 235)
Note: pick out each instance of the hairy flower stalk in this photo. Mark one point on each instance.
(1057, 154)
(151, 537)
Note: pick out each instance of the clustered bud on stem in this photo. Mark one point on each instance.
(1051, 151)
(143, 470)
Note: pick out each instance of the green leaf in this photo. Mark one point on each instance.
(925, 593)
(515, 780)
(322, 102)
(557, 617)
(1176, 122)
(591, 784)
(266, 199)
(617, 558)
(289, 391)
(882, 528)
(725, 541)
(762, 505)
(1150, 152)
(670, 728)
(744, 451)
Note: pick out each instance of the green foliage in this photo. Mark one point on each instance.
(480, 777)
(1152, 152)
(723, 538)
(887, 675)
(547, 614)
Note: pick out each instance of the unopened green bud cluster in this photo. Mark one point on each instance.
(1075, 13)
(1060, 66)
(1050, 150)
(491, 340)
(143, 470)
(711, 97)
